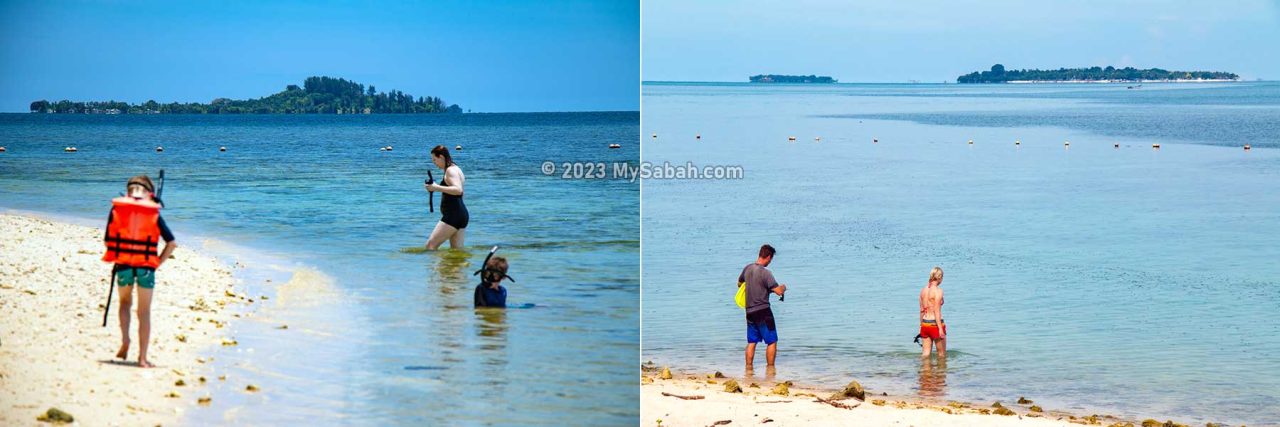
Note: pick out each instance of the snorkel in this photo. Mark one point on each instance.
(431, 201)
(485, 273)
(159, 190)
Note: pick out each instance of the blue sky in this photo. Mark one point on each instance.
(485, 56)
(933, 41)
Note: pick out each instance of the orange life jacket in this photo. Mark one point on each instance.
(133, 235)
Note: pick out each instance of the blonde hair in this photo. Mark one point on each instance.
(935, 275)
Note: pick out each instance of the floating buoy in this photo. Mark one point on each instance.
(457, 147)
(223, 148)
(655, 136)
(1156, 146)
(387, 148)
(817, 138)
(1066, 143)
(970, 142)
(791, 138)
(159, 149)
(1246, 148)
(1117, 145)
(2, 149)
(615, 145)
(874, 141)
(697, 137)
(1017, 142)
(69, 149)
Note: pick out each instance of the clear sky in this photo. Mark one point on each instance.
(933, 40)
(490, 56)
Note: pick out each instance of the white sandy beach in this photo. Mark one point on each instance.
(762, 404)
(54, 351)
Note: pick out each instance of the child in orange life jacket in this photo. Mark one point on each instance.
(134, 230)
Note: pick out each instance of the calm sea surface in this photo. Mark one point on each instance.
(378, 335)
(1127, 281)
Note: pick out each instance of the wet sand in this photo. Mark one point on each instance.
(700, 399)
(54, 351)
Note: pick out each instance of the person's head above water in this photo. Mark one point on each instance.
(766, 255)
(495, 270)
(139, 186)
(935, 276)
(440, 156)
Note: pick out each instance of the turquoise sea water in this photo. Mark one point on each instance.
(389, 337)
(1129, 281)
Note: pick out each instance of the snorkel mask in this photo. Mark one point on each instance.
(491, 275)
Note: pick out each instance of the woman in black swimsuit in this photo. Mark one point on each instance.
(454, 216)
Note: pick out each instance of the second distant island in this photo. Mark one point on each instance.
(779, 78)
(317, 95)
(999, 74)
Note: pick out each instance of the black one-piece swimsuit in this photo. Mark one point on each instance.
(452, 210)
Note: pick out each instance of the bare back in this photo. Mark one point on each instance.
(931, 303)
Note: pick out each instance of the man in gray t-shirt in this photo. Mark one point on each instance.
(760, 324)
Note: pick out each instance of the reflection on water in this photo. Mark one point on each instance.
(933, 376)
(492, 322)
(450, 271)
(770, 372)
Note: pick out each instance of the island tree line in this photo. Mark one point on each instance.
(998, 74)
(318, 95)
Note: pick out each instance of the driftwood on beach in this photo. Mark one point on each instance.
(837, 404)
(684, 397)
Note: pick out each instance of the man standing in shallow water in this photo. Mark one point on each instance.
(760, 324)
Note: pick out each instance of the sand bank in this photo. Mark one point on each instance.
(54, 351)
(702, 400)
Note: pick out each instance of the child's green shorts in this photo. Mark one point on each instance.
(141, 276)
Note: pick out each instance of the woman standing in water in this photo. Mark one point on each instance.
(932, 328)
(453, 213)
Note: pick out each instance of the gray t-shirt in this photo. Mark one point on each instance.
(760, 284)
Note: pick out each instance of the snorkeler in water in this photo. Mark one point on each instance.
(490, 292)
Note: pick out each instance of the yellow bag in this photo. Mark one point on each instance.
(741, 297)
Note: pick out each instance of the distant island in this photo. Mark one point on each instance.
(778, 78)
(1096, 74)
(318, 95)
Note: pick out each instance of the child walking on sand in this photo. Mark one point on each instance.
(134, 230)
(932, 329)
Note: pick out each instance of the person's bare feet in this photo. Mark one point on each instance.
(124, 351)
(143, 363)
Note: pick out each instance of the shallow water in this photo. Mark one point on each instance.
(310, 203)
(1129, 281)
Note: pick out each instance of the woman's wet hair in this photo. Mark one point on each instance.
(443, 151)
(935, 275)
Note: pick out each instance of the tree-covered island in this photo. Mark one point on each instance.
(318, 95)
(999, 74)
(778, 78)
